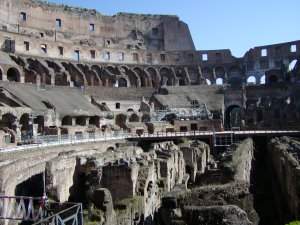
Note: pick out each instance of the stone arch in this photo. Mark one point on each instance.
(40, 121)
(182, 77)
(194, 75)
(113, 69)
(207, 73)
(81, 121)
(121, 120)
(235, 76)
(24, 122)
(77, 77)
(292, 64)
(167, 76)
(133, 77)
(220, 81)
(8, 121)
(262, 79)
(233, 116)
(66, 121)
(220, 72)
(134, 118)
(122, 82)
(13, 74)
(154, 75)
(32, 186)
(31, 76)
(108, 79)
(43, 71)
(273, 79)
(146, 118)
(98, 70)
(94, 120)
(145, 80)
(61, 79)
(251, 80)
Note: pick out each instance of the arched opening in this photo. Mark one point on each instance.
(233, 117)
(292, 65)
(208, 82)
(40, 122)
(208, 75)
(26, 127)
(61, 80)
(182, 77)
(259, 115)
(235, 76)
(66, 121)
(251, 80)
(132, 76)
(262, 79)
(219, 81)
(121, 120)
(81, 121)
(273, 79)
(8, 121)
(130, 110)
(143, 77)
(33, 187)
(146, 118)
(194, 76)
(182, 82)
(167, 77)
(154, 77)
(13, 75)
(122, 82)
(134, 118)
(95, 120)
(220, 72)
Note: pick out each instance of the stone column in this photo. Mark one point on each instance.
(187, 75)
(73, 121)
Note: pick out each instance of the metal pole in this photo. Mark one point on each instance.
(44, 183)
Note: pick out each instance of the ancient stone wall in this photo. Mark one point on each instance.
(284, 159)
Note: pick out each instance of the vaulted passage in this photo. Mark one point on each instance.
(233, 116)
(13, 75)
(33, 187)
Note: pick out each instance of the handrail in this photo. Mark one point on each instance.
(61, 140)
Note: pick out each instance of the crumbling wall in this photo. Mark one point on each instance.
(213, 200)
(59, 177)
(284, 159)
(196, 155)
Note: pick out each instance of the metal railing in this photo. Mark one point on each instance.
(39, 211)
(21, 208)
(72, 215)
(60, 140)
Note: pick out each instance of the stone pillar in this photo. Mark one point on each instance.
(73, 121)
(18, 130)
(38, 80)
(4, 77)
(22, 79)
(187, 75)
(87, 121)
(52, 80)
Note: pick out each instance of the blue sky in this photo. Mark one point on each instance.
(217, 24)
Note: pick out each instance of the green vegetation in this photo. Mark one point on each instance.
(294, 223)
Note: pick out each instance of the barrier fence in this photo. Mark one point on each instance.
(60, 140)
(38, 211)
